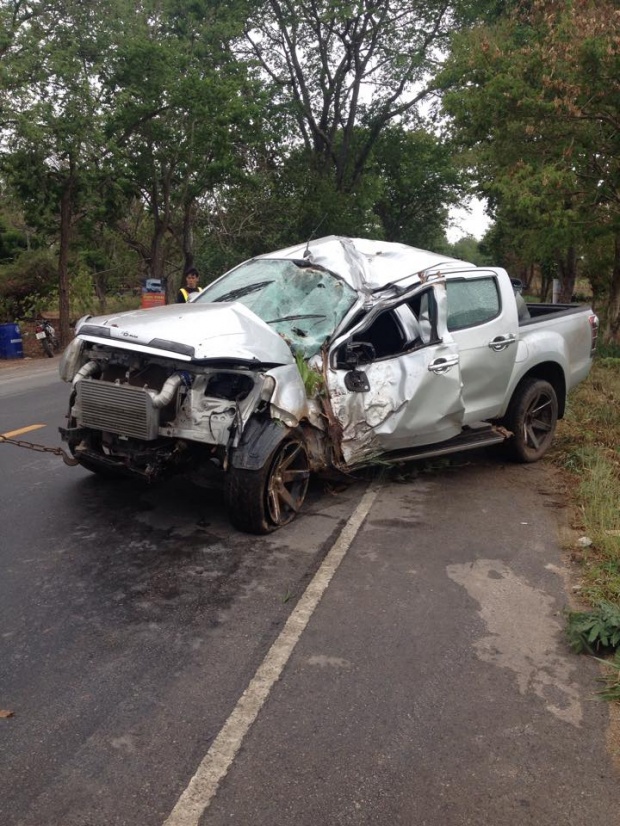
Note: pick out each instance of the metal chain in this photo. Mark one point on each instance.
(57, 451)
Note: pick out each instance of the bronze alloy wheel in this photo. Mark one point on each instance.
(287, 483)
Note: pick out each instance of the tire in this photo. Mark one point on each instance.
(47, 348)
(261, 501)
(531, 417)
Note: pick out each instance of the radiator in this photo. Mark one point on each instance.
(116, 408)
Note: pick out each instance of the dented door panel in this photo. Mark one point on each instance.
(407, 404)
(414, 397)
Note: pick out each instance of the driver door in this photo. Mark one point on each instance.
(407, 391)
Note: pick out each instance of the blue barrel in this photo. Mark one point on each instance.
(11, 342)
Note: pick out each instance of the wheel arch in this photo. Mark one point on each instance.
(549, 371)
(259, 440)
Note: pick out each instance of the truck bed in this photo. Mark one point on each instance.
(546, 311)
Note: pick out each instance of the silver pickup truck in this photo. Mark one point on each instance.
(325, 356)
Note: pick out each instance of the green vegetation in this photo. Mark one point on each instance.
(533, 102)
(594, 630)
(312, 379)
(611, 691)
(588, 447)
(141, 140)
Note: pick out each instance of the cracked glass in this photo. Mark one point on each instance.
(300, 301)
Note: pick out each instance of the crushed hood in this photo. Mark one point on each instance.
(192, 332)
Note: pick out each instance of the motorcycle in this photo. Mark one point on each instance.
(47, 336)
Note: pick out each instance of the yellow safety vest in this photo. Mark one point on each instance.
(186, 295)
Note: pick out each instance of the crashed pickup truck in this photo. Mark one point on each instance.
(325, 356)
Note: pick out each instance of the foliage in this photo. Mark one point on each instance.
(611, 691)
(312, 379)
(587, 446)
(536, 109)
(196, 131)
(182, 114)
(594, 630)
(27, 284)
(15, 237)
(402, 196)
(343, 72)
(469, 249)
(51, 106)
(417, 182)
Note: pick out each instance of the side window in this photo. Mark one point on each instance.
(472, 302)
(384, 334)
(404, 328)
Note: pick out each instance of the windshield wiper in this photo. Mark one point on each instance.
(295, 317)
(241, 291)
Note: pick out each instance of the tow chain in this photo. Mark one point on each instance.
(57, 451)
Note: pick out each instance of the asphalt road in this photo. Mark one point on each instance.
(429, 685)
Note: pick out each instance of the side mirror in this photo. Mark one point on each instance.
(357, 353)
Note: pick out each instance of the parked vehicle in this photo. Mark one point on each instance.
(46, 334)
(330, 355)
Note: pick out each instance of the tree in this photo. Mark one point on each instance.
(336, 66)
(402, 196)
(182, 112)
(537, 108)
(418, 184)
(51, 120)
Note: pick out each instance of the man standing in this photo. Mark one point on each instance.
(191, 286)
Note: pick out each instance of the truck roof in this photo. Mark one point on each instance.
(364, 263)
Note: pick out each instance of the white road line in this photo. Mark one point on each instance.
(215, 764)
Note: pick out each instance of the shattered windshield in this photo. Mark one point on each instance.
(302, 302)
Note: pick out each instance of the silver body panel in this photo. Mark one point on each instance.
(199, 372)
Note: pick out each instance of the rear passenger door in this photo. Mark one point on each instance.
(486, 330)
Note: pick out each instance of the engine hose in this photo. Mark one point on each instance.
(86, 370)
(167, 392)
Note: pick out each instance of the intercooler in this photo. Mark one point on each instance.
(116, 408)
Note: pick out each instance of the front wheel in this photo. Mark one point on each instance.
(532, 417)
(261, 501)
(47, 348)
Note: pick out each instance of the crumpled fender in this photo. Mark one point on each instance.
(259, 440)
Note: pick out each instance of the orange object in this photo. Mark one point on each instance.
(152, 300)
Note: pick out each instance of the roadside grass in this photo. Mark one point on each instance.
(587, 447)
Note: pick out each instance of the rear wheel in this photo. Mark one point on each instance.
(261, 501)
(531, 417)
(47, 348)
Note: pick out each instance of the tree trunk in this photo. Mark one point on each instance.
(612, 327)
(63, 259)
(568, 275)
(547, 271)
(188, 235)
(156, 265)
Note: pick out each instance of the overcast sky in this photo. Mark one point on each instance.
(469, 220)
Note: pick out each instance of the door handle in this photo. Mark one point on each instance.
(442, 365)
(500, 343)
